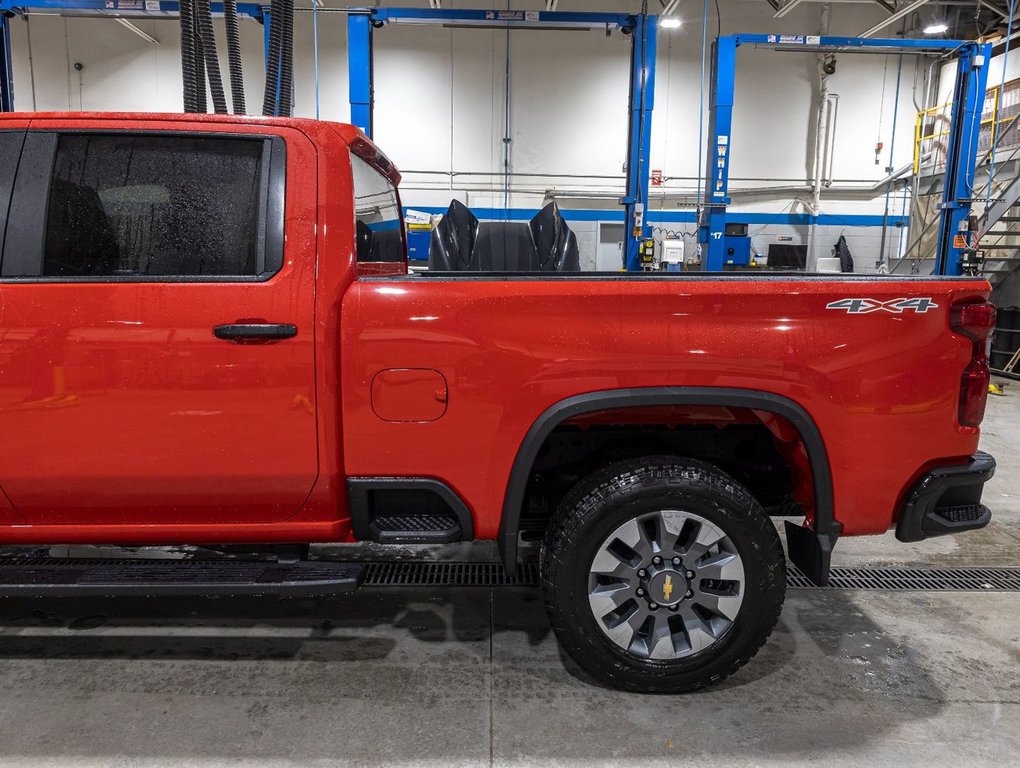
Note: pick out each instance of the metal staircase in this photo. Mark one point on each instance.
(999, 222)
(996, 204)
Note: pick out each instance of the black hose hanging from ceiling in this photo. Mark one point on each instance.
(287, 60)
(188, 73)
(234, 57)
(198, 61)
(270, 100)
(212, 62)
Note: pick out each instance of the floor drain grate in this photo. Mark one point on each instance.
(430, 574)
(916, 579)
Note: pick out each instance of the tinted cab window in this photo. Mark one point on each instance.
(143, 206)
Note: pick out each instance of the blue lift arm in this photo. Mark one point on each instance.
(497, 18)
(119, 8)
(961, 157)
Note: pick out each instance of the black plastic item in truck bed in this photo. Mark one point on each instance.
(460, 243)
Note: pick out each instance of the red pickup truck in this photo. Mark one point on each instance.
(209, 336)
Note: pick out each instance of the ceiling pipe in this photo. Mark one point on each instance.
(834, 191)
(993, 8)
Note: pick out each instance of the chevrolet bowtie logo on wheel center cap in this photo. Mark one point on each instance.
(667, 587)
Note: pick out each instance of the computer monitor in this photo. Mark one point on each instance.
(787, 256)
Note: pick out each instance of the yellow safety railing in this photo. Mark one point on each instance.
(1002, 104)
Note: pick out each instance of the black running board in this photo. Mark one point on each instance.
(46, 577)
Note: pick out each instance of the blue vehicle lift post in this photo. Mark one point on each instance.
(361, 24)
(362, 69)
(963, 136)
(712, 228)
(961, 159)
(639, 138)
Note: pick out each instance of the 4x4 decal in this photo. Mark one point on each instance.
(896, 306)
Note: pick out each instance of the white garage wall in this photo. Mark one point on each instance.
(440, 105)
(775, 97)
(995, 73)
(440, 110)
(121, 71)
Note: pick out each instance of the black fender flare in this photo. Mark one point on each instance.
(810, 549)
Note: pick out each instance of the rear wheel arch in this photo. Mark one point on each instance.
(825, 524)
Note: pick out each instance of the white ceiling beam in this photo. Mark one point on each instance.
(144, 35)
(669, 7)
(786, 7)
(906, 10)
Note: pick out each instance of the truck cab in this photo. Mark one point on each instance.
(162, 316)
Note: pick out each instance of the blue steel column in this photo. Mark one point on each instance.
(6, 70)
(639, 137)
(712, 227)
(359, 68)
(964, 130)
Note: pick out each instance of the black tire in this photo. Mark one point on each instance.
(607, 499)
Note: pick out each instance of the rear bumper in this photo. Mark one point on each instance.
(947, 500)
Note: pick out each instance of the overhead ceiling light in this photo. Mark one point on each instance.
(936, 29)
(670, 23)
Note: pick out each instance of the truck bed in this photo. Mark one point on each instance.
(873, 378)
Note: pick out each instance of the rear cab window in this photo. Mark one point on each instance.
(379, 235)
(128, 206)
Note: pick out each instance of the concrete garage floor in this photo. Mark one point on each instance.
(473, 676)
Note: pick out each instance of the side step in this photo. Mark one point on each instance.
(50, 577)
(416, 529)
(407, 510)
(953, 519)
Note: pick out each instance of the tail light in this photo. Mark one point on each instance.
(976, 321)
